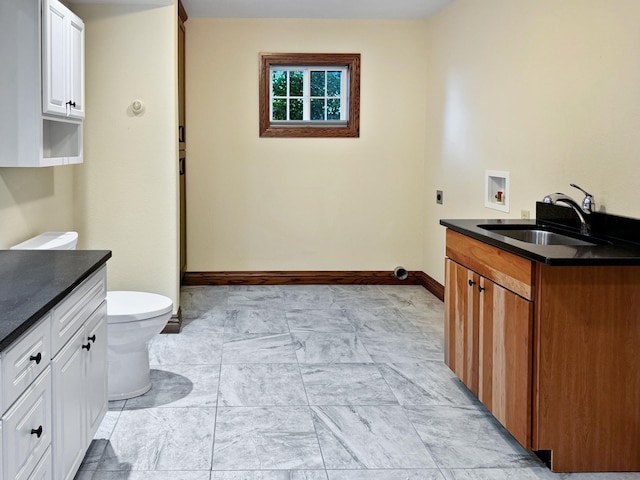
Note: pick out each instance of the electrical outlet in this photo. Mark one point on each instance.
(525, 215)
(439, 197)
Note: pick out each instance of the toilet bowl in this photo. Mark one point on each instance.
(133, 318)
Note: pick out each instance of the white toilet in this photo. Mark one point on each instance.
(133, 318)
(50, 241)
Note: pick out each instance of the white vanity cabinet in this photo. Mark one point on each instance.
(54, 387)
(62, 61)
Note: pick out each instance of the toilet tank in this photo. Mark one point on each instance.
(50, 241)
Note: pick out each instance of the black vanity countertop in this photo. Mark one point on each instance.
(32, 282)
(618, 252)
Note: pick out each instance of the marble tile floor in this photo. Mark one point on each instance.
(307, 383)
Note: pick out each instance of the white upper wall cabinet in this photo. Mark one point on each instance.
(42, 68)
(62, 61)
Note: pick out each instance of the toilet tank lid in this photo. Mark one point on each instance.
(127, 306)
(50, 241)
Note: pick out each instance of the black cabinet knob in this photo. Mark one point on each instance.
(92, 338)
(73, 104)
(481, 289)
(87, 346)
(37, 432)
(36, 358)
(471, 283)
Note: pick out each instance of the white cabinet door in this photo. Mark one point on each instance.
(62, 61)
(55, 58)
(69, 412)
(80, 393)
(95, 383)
(76, 66)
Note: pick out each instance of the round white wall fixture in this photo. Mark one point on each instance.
(137, 107)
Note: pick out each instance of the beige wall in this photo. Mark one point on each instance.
(35, 200)
(543, 89)
(304, 204)
(548, 90)
(127, 199)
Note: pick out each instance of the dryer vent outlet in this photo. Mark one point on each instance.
(400, 273)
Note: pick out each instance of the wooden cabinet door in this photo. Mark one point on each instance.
(182, 17)
(506, 357)
(461, 323)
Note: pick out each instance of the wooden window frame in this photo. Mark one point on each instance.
(349, 60)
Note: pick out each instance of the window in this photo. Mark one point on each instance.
(309, 95)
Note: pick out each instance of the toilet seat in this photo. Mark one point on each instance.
(127, 306)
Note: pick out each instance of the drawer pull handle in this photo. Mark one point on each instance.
(92, 338)
(481, 289)
(471, 283)
(37, 432)
(36, 358)
(87, 346)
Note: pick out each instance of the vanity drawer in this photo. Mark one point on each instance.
(26, 430)
(506, 269)
(25, 360)
(44, 469)
(76, 308)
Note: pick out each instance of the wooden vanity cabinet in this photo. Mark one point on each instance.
(489, 331)
(551, 351)
(587, 376)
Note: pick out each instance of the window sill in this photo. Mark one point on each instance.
(309, 131)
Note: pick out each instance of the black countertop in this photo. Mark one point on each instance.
(32, 282)
(618, 252)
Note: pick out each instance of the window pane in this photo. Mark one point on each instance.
(295, 84)
(295, 109)
(279, 109)
(279, 79)
(317, 108)
(317, 84)
(333, 84)
(333, 109)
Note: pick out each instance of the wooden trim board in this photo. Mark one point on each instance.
(175, 323)
(362, 277)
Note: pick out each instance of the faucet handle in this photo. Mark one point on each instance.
(588, 203)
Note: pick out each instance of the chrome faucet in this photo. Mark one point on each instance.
(588, 203)
(580, 211)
